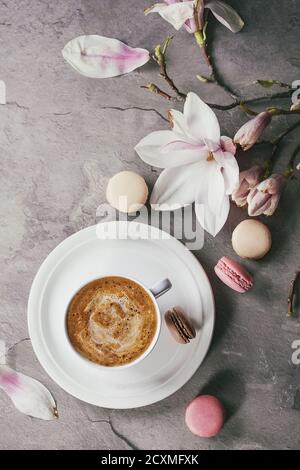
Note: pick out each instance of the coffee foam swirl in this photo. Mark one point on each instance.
(113, 324)
(111, 321)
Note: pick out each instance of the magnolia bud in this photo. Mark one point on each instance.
(264, 198)
(247, 181)
(250, 132)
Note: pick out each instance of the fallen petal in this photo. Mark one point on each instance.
(100, 57)
(27, 394)
(226, 15)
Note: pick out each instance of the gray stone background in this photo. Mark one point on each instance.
(63, 135)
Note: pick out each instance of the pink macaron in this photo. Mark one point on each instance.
(205, 416)
(233, 275)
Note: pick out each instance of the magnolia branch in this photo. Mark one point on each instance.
(160, 58)
(291, 165)
(275, 143)
(201, 40)
(158, 91)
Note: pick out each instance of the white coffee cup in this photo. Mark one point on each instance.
(156, 291)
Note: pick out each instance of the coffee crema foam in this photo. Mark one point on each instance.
(111, 321)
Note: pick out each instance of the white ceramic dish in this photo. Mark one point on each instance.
(92, 253)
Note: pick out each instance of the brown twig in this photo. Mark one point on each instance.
(291, 164)
(275, 143)
(201, 40)
(283, 112)
(154, 89)
(291, 294)
(250, 101)
(160, 58)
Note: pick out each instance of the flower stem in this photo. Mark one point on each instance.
(291, 294)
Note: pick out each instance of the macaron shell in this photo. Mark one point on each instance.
(233, 275)
(251, 239)
(127, 191)
(184, 324)
(179, 326)
(205, 416)
(228, 281)
(173, 328)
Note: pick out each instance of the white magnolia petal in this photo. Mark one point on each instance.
(200, 119)
(177, 13)
(156, 8)
(100, 57)
(211, 203)
(176, 187)
(27, 394)
(178, 122)
(165, 149)
(226, 15)
(230, 170)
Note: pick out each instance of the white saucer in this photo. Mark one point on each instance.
(89, 254)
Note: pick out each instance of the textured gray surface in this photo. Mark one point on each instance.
(61, 138)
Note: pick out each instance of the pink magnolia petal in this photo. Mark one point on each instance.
(226, 15)
(164, 149)
(200, 119)
(27, 394)
(190, 26)
(228, 145)
(176, 187)
(100, 57)
(258, 202)
(211, 204)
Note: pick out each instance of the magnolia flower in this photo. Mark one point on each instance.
(179, 13)
(264, 198)
(250, 132)
(199, 164)
(248, 180)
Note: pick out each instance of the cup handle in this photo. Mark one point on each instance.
(161, 288)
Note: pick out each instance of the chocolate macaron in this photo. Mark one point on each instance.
(179, 326)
